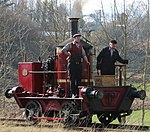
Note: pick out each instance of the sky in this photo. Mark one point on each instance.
(90, 6)
(93, 5)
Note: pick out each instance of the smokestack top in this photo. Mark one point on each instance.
(74, 18)
(74, 25)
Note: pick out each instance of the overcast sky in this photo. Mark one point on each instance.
(90, 6)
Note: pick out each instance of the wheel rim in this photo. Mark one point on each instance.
(67, 112)
(105, 118)
(33, 109)
(85, 121)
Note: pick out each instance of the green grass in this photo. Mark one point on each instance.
(134, 119)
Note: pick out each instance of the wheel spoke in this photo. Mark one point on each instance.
(67, 112)
(33, 109)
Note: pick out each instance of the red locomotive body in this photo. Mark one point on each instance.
(30, 82)
(61, 64)
(43, 93)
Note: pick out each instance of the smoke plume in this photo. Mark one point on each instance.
(77, 8)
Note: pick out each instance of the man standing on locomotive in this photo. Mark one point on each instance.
(75, 52)
(107, 58)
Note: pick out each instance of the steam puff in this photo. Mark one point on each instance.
(76, 11)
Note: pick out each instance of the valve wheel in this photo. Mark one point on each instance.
(33, 110)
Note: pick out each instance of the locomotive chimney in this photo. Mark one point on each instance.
(74, 25)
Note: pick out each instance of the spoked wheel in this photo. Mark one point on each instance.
(85, 121)
(106, 118)
(33, 109)
(69, 113)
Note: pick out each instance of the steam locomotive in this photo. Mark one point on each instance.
(44, 88)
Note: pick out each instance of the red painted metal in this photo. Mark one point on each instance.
(61, 65)
(49, 118)
(113, 97)
(29, 81)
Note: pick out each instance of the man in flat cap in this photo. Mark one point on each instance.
(76, 35)
(75, 52)
(107, 58)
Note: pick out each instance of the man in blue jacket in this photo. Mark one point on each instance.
(107, 58)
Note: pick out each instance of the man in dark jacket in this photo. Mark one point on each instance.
(107, 58)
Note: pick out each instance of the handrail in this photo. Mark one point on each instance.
(120, 78)
(44, 72)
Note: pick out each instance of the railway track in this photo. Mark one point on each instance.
(92, 127)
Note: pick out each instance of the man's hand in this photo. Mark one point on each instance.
(88, 62)
(68, 54)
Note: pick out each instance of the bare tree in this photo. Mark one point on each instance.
(145, 75)
(52, 19)
(131, 29)
(17, 36)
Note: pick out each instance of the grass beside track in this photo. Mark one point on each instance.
(134, 119)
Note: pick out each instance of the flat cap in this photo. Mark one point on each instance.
(75, 35)
(113, 41)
